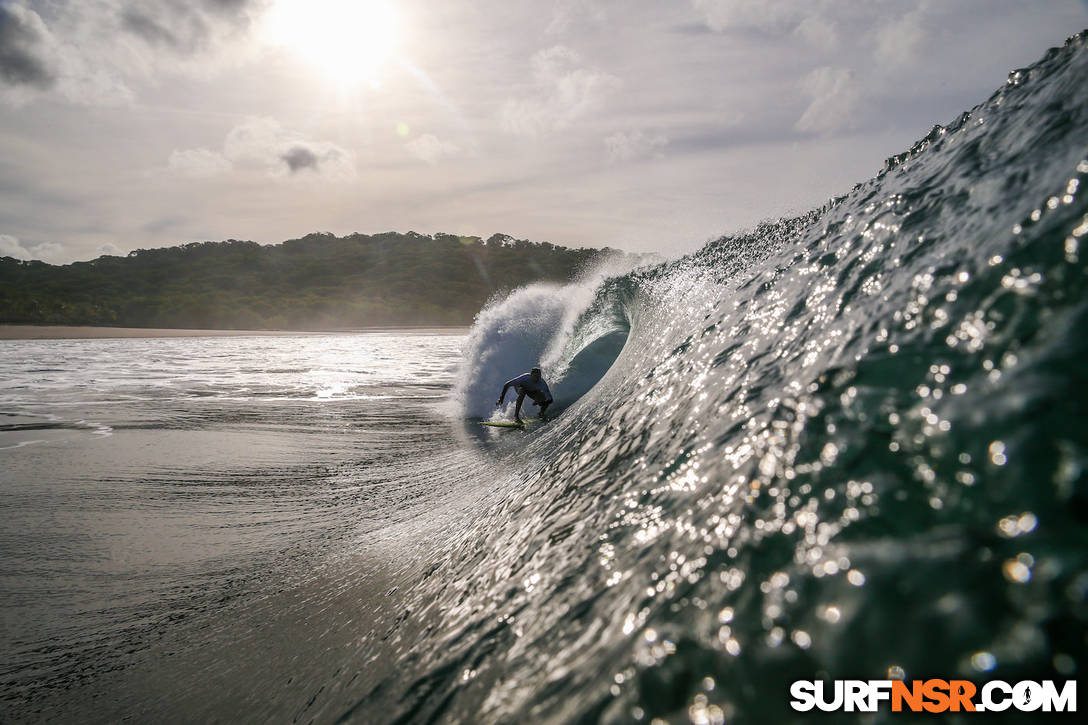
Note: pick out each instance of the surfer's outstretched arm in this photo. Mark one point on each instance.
(506, 386)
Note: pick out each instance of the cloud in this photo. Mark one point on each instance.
(298, 158)
(880, 29)
(722, 15)
(49, 252)
(897, 43)
(818, 32)
(565, 92)
(836, 99)
(10, 247)
(263, 145)
(108, 250)
(36, 59)
(90, 52)
(431, 149)
(186, 27)
(626, 146)
(150, 30)
(22, 36)
(568, 14)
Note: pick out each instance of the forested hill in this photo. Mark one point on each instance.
(318, 282)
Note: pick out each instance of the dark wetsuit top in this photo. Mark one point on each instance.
(525, 386)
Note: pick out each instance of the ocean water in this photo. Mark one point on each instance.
(850, 444)
(156, 491)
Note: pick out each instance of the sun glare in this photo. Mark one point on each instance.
(348, 41)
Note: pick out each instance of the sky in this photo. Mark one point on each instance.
(646, 125)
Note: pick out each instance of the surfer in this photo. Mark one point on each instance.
(531, 384)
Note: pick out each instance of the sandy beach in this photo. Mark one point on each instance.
(65, 332)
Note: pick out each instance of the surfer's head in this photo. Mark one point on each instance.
(535, 373)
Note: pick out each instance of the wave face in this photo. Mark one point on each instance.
(848, 444)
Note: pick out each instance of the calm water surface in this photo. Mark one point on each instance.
(146, 482)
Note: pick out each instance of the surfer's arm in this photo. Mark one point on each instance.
(512, 382)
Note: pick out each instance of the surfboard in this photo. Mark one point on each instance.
(525, 423)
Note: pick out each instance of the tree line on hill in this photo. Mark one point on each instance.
(317, 282)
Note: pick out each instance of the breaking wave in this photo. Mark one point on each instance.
(847, 444)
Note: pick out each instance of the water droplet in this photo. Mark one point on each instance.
(1064, 664)
(1016, 571)
(983, 661)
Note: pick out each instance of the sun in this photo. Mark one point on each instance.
(347, 41)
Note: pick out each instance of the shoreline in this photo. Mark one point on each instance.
(88, 332)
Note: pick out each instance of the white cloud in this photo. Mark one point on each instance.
(431, 149)
(882, 29)
(836, 99)
(722, 15)
(10, 247)
(108, 250)
(565, 92)
(35, 60)
(818, 32)
(49, 252)
(263, 145)
(625, 146)
(898, 42)
(568, 15)
(90, 52)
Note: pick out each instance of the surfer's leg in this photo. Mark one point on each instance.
(517, 407)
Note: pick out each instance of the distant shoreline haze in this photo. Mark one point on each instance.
(100, 332)
(318, 282)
